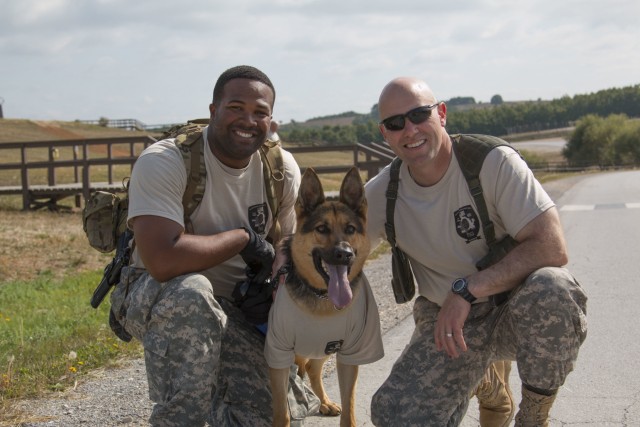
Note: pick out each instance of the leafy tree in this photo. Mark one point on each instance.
(601, 141)
(627, 144)
(496, 100)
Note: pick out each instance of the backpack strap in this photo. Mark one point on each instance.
(273, 172)
(470, 151)
(392, 196)
(188, 138)
(402, 281)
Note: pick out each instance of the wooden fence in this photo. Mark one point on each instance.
(82, 160)
(78, 156)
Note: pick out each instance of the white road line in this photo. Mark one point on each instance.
(574, 208)
(577, 208)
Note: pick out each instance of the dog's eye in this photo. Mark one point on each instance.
(350, 229)
(323, 229)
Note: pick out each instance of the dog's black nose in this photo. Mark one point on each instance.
(343, 253)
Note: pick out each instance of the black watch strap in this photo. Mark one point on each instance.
(461, 287)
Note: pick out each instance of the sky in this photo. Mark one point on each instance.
(157, 60)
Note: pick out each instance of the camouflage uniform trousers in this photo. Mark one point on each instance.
(204, 362)
(541, 326)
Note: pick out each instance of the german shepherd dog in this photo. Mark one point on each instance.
(325, 284)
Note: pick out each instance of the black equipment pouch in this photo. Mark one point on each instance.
(402, 282)
(117, 328)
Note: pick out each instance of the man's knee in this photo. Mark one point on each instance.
(549, 315)
(552, 289)
(381, 407)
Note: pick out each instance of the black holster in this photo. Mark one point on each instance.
(402, 282)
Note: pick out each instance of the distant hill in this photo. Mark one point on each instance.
(342, 119)
(21, 130)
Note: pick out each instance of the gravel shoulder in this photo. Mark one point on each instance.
(118, 396)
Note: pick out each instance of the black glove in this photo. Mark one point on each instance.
(254, 299)
(259, 256)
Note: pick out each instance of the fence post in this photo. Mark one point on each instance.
(24, 177)
(78, 199)
(110, 166)
(86, 183)
(51, 169)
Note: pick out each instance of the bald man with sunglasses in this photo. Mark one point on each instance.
(460, 336)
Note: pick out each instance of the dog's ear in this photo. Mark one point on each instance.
(310, 194)
(352, 192)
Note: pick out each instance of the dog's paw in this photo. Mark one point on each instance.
(330, 409)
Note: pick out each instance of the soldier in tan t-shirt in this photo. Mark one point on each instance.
(459, 333)
(204, 361)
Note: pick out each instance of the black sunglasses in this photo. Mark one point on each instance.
(417, 116)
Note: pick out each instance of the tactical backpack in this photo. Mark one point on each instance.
(104, 216)
(470, 152)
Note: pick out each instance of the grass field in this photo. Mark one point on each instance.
(49, 334)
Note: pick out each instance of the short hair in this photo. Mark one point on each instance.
(240, 72)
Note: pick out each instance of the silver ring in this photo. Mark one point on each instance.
(449, 335)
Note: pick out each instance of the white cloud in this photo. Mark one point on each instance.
(158, 61)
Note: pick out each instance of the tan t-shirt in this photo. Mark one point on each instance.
(439, 227)
(233, 198)
(353, 333)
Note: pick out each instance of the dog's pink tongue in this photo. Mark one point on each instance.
(339, 290)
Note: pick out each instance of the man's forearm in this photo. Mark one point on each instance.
(191, 253)
(541, 244)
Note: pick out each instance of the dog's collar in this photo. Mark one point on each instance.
(320, 293)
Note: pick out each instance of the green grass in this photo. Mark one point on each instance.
(51, 335)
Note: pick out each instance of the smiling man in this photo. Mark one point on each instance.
(202, 357)
(471, 321)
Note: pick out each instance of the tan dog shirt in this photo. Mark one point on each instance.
(352, 333)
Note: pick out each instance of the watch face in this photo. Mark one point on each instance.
(459, 285)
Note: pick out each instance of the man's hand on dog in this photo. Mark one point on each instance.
(258, 254)
(448, 330)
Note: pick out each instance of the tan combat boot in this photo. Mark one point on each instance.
(494, 396)
(534, 409)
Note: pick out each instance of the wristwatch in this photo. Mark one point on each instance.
(461, 287)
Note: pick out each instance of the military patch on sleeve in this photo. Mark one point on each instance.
(467, 224)
(333, 347)
(258, 217)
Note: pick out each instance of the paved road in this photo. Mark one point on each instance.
(600, 216)
(549, 144)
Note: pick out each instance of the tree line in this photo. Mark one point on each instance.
(498, 118)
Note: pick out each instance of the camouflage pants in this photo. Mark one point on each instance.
(541, 327)
(204, 362)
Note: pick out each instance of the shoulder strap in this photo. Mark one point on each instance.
(470, 151)
(273, 172)
(392, 195)
(188, 138)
